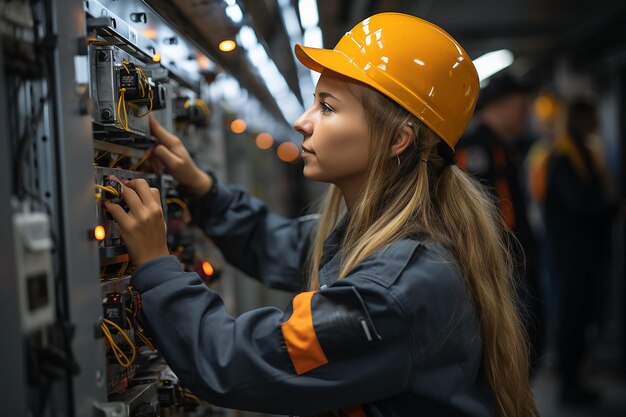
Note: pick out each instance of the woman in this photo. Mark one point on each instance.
(410, 308)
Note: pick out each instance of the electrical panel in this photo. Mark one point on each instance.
(79, 82)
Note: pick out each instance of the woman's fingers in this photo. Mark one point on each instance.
(156, 195)
(162, 135)
(119, 215)
(141, 187)
(169, 158)
(132, 199)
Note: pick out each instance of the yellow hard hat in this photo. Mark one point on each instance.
(413, 62)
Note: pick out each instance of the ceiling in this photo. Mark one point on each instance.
(534, 30)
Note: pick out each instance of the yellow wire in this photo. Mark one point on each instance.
(108, 189)
(123, 333)
(124, 64)
(143, 93)
(125, 112)
(145, 340)
(138, 163)
(121, 357)
(121, 105)
(100, 156)
(181, 204)
(150, 103)
(123, 269)
(202, 106)
(189, 395)
(140, 333)
(118, 159)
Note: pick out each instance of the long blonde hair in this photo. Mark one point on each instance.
(438, 200)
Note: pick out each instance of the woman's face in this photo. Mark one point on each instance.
(335, 145)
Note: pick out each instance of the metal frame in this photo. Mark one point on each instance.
(12, 397)
(77, 213)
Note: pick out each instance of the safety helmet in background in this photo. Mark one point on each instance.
(413, 62)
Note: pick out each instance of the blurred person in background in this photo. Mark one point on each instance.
(491, 152)
(547, 121)
(578, 213)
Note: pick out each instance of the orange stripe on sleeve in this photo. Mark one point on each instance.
(303, 347)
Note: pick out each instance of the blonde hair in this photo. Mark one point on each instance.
(438, 200)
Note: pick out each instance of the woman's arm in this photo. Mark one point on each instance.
(264, 245)
(331, 349)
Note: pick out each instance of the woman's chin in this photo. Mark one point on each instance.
(311, 173)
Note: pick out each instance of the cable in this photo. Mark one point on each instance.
(121, 357)
(108, 189)
(145, 340)
(24, 145)
(121, 105)
(189, 395)
(139, 332)
(143, 93)
(140, 162)
(118, 159)
(100, 156)
(202, 106)
(181, 204)
(122, 269)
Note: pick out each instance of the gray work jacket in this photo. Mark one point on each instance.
(399, 336)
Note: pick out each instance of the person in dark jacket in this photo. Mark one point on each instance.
(490, 152)
(578, 214)
(408, 308)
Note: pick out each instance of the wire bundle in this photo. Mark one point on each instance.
(141, 334)
(146, 93)
(119, 354)
(180, 203)
(108, 189)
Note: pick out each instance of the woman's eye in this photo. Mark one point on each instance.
(325, 107)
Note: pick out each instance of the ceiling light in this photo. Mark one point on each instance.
(235, 13)
(492, 62)
(308, 13)
(313, 37)
(227, 45)
(247, 37)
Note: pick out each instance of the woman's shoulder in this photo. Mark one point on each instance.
(413, 262)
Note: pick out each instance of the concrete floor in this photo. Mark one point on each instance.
(612, 391)
(602, 373)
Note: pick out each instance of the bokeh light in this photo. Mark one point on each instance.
(288, 152)
(264, 140)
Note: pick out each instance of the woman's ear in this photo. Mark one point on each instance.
(404, 138)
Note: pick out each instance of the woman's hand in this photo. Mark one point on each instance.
(143, 227)
(173, 154)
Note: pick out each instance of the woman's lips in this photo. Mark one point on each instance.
(307, 150)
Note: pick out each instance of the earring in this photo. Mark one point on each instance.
(398, 156)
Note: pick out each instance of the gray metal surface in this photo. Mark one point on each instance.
(77, 212)
(12, 390)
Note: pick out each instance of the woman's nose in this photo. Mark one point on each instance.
(304, 124)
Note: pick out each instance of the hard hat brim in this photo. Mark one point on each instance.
(319, 59)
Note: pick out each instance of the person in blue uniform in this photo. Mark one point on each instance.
(406, 305)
